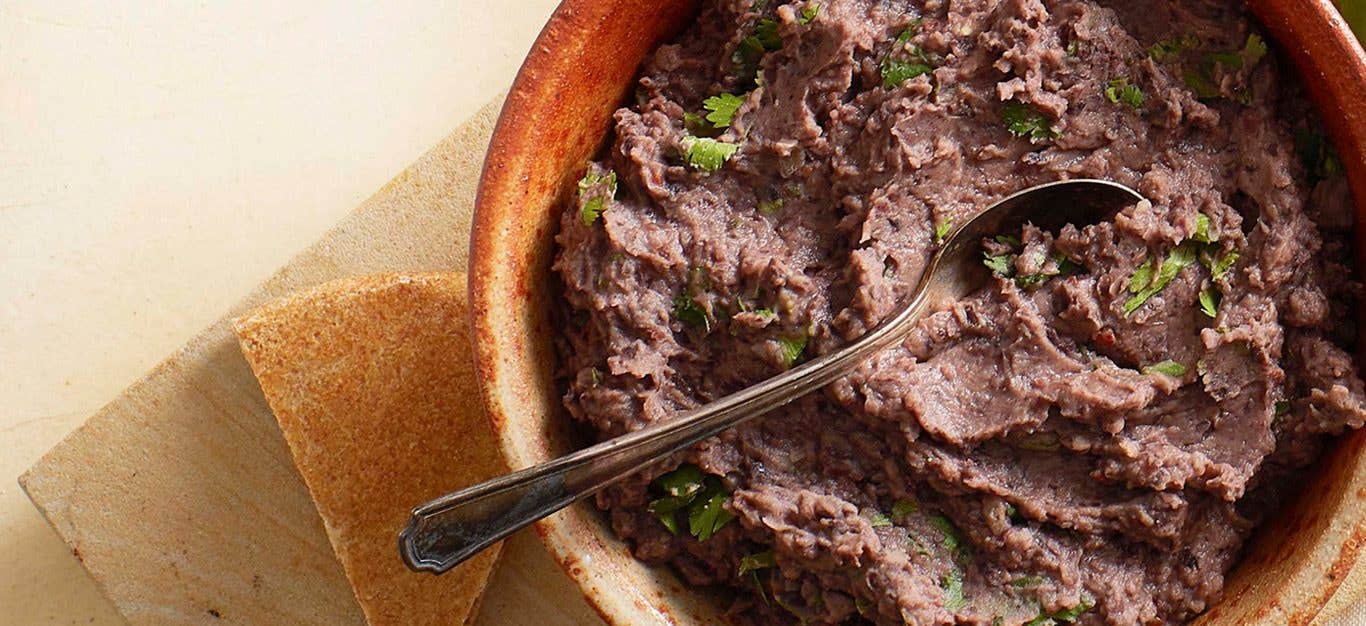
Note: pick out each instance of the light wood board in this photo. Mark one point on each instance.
(180, 497)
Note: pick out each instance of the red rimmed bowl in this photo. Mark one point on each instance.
(556, 117)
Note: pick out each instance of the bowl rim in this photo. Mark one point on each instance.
(1328, 58)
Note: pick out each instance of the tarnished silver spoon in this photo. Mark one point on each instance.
(454, 527)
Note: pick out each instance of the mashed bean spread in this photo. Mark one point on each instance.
(1090, 438)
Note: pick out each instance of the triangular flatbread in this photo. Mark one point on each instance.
(372, 382)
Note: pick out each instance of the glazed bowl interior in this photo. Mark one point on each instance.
(556, 118)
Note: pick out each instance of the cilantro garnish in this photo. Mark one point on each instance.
(1023, 120)
(1008, 240)
(705, 520)
(1073, 47)
(952, 584)
(688, 311)
(1168, 367)
(999, 264)
(1200, 82)
(950, 538)
(1145, 282)
(809, 12)
(792, 349)
(1317, 155)
(1282, 408)
(896, 71)
(757, 561)
(700, 495)
(592, 182)
(767, 34)
(902, 509)
(1223, 264)
(1200, 77)
(1027, 581)
(706, 154)
(752, 48)
(1169, 49)
(942, 230)
(1120, 90)
(879, 520)
(721, 108)
(769, 207)
(1202, 229)
(1209, 302)
(1253, 51)
(1067, 615)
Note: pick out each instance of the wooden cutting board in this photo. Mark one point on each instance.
(180, 497)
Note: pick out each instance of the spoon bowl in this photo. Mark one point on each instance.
(442, 533)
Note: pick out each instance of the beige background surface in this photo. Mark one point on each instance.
(157, 162)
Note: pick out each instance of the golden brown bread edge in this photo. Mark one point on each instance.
(370, 379)
(555, 118)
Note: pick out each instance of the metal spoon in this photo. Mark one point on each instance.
(454, 527)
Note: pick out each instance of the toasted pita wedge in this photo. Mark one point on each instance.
(372, 382)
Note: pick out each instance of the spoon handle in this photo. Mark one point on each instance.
(442, 533)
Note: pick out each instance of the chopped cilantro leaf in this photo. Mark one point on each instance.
(895, 72)
(1120, 90)
(684, 482)
(706, 154)
(1282, 408)
(705, 520)
(752, 48)
(879, 520)
(1073, 47)
(1068, 615)
(689, 312)
(1224, 264)
(697, 125)
(792, 349)
(999, 264)
(942, 230)
(903, 509)
(1202, 229)
(1144, 284)
(1200, 82)
(757, 561)
(767, 32)
(949, 536)
(952, 584)
(1168, 367)
(1317, 155)
(1209, 302)
(769, 207)
(1023, 120)
(1253, 51)
(1030, 281)
(722, 108)
(809, 12)
(1169, 49)
(602, 187)
(702, 497)
(1008, 240)
(1027, 581)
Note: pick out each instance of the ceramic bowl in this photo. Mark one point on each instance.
(556, 117)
